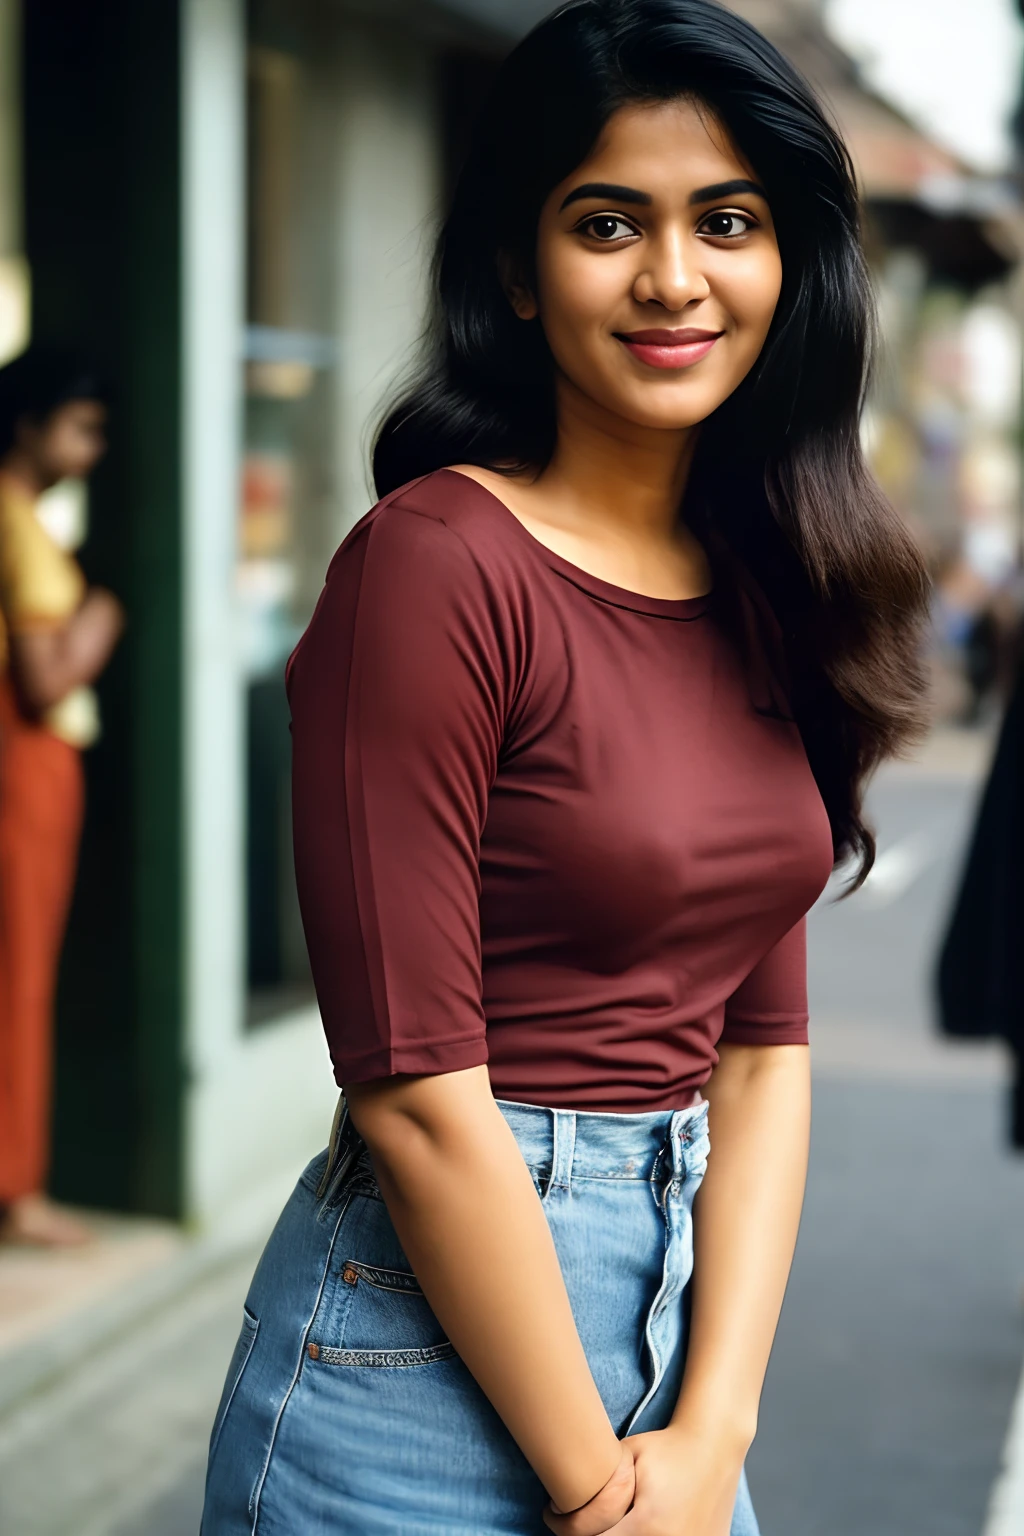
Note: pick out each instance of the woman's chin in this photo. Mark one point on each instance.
(660, 417)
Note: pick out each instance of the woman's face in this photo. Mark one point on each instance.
(658, 269)
(69, 443)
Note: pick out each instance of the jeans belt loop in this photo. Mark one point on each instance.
(563, 1148)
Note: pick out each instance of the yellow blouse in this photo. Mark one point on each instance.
(41, 586)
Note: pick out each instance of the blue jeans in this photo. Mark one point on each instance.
(346, 1411)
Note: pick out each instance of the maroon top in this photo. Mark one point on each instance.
(538, 822)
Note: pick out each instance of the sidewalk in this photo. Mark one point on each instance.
(45, 1295)
(1006, 1507)
(58, 1308)
(111, 1362)
(91, 1452)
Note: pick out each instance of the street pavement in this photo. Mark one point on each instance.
(96, 1452)
(901, 1342)
(900, 1346)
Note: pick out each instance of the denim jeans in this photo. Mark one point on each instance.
(346, 1411)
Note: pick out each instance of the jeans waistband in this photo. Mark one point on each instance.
(564, 1142)
(584, 1144)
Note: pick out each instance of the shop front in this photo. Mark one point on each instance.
(231, 206)
(230, 203)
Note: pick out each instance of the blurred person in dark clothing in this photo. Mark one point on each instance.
(981, 662)
(56, 636)
(980, 978)
(981, 965)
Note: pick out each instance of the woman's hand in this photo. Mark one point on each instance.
(685, 1485)
(605, 1509)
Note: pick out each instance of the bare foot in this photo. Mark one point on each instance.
(35, 1221)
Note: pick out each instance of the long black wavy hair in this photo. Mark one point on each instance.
(38, 382)
(779, 491)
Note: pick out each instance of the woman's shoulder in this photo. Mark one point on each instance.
(459, 498)
(425, 563)
(39, 581)
(443, 521)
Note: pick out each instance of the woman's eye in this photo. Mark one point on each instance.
(606, 227)
(727, 225)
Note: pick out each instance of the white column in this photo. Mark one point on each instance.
(260, 1101)
(213, 147)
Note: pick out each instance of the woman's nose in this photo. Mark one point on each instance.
(673, 274)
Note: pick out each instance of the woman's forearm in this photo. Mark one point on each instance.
(47, 664)
(467, 1214)
(746, 1217)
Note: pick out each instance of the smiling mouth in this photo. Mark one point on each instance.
(669, 349)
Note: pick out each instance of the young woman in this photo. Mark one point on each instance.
(581, 725)
(56, 636)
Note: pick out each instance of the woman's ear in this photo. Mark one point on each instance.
(516, 290)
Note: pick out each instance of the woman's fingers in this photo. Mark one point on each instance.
(591, 1520)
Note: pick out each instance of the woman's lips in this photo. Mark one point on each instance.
(668, 349)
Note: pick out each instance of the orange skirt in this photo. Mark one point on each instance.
(41, 804)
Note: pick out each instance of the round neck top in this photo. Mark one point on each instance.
(606, 591)
(539, 822)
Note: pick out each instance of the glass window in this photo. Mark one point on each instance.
(347, 125)
(286, 517)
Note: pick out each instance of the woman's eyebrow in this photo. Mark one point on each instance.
(726, 189)
(619, 194)
(607, 189)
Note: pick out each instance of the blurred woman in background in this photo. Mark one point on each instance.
(56, 636)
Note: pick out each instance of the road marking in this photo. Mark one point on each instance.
(1006, 1505)
(898, 867)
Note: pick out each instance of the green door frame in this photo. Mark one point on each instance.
(102, 173)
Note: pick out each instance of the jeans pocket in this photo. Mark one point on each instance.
(388, 1322)
(236, 1370)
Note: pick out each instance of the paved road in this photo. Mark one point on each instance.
(901, 1340)
(902, 1337)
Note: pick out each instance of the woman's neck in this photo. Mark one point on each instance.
(18, 468)
(615, 476)
(609, 501)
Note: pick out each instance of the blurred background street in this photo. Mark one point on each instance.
(228, 204)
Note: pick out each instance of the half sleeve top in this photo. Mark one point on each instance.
(539, 822)
(41, 587)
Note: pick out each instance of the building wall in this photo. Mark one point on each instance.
(390, 186)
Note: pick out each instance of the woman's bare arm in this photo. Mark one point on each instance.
(47, 664)
(746, 1217)
(468, 1216)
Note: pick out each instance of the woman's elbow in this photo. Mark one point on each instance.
(409, 1118)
